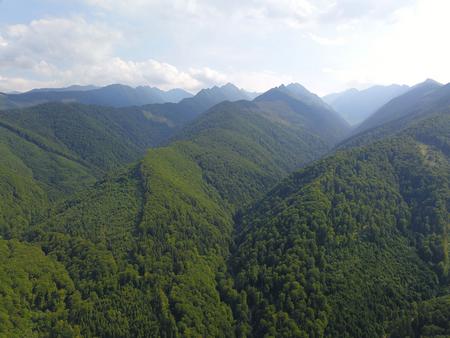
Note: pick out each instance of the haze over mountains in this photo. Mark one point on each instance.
(414, 101)
(226, 214)
(118, 95)
(353, 105)
(356, 105)
(115, 95)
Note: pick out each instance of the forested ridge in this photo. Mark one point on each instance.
(51, 151)
(235, 225)
(353, 244)
(146, 246)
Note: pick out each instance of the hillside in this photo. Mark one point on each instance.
(36, 293)
(116, 95)
(53, 150)
(410, 102)
(158, 233)
(59, 148)
(297, 106)
(346, 246)
(5, 103)
(356, 105)
(420, 102)
(200, 238)
(188, 109)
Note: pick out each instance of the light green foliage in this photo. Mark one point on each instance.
(197, 240)
(51, 151)
(164, 226)
(35, 293)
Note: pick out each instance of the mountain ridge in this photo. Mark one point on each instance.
(357, 105)
(114, 95)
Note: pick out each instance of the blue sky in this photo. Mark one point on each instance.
(327, 45)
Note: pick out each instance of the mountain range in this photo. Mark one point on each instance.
(115, 95)
(356, 105)
(227, 214)
(118, 95)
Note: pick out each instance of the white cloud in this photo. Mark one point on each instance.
(337, 41)
(208, 76)
(65, 51)
(255, 44)
(9, 84)
(291, 12)
(3, 42)
(59, 41)
(148, 72)
(409, 50)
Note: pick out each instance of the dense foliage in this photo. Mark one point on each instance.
(50, 151)
(185, 243)
(153, 239)
(296, 106)
(36, 293)
(343, 247)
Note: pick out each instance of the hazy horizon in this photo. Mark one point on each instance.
(327, 46)
(362, 88)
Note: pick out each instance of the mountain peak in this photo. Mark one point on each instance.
(296, 86)
(229, 85)
(216, 94)
(428, 83)
(294, 91)
(429, 80)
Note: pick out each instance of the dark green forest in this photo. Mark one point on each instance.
(250, 219)
(365, 230)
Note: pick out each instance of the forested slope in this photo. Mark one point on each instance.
(36, 293)
(295, 105)
(199, 238)
(50, 151)
(153, 240)
(346, 246)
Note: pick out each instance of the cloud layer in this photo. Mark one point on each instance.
(325, 44)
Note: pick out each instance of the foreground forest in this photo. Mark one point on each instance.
(245, 218)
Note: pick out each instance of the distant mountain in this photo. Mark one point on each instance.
(251, 95)
(299, 106)
(5, 103)
(423, 98)
(356, 105)
(188, 109)
(73, 88)
(116, 95)
(228, 92)
(299, 92)
(175, 95)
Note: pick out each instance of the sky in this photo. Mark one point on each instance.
(326, 45)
